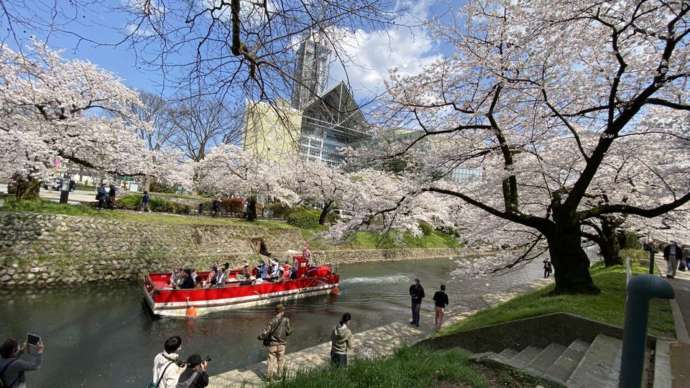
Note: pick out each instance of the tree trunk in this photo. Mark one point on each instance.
(251, 208)
(570, 262)
(609, 246)
(26, 188)
(324, 212)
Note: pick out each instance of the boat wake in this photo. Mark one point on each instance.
(377, 279)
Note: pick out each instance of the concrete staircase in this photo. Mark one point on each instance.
(578, 365)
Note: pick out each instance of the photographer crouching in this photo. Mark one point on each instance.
(194, 375)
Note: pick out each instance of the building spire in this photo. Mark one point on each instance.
(311, 70)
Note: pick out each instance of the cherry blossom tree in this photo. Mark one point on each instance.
(67, 110)
(545, 97)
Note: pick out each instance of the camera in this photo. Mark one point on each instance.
(208, 359)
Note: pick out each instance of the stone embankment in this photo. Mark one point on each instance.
(47, 250)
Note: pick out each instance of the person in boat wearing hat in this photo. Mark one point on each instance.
(274, 338)
(194, 375)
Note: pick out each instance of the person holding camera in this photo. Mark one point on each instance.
(166, 365)
(194, 375)
(17, 360)
(274, 338)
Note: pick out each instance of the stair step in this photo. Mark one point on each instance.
(525, 356)
(547, 357)
(599, 366)
(507, 354)
(566, 363)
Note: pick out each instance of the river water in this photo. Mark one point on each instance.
(102, 336)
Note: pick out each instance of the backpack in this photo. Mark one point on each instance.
(189, 382)
(2, 373)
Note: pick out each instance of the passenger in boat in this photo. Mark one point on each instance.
(246, 273)
(287, 270)
(166, 364)
(187, 280)
(276, 271)
(176, 278)
(306, 253)
(222, 275)
(212, 278)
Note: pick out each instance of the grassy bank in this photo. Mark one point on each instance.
(360, 240)
(607, 307)
(49, 207)
(412, 367)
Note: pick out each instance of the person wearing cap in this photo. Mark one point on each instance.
(166, 370)
(417, 294)
(194, 375)
(274, 337)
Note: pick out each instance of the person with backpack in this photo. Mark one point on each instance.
(166, 365)
(341, 341)
(440, 301)
(194, 375)
(274, 338)
(16, 361)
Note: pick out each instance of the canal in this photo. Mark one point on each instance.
(102, 336)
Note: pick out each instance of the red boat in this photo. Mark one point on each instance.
(174, 302)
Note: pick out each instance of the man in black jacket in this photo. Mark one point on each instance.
(417, 294)
(440, 301)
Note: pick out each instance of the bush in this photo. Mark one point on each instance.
(630, 240)
(156, 204)
(232, 205)
(303, 218)
(278, 209)
(426, 228)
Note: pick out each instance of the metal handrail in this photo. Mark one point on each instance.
(640, 290)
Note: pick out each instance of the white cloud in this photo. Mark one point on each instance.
(368, 55)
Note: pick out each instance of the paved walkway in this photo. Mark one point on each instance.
(680, 350)
(378, 342)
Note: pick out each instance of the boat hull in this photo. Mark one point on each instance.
(175, 303)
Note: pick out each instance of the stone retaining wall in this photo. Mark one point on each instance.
(42, 249)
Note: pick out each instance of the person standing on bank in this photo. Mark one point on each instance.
(417, 294)
(16, 361)
(274, 338)
(341, 341)
(671, 254)
(547, 268)
(440, 301)
(194, 375)
(166, 370)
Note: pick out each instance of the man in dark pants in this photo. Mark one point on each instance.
(417, 294)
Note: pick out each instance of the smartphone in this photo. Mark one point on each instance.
(33, 339)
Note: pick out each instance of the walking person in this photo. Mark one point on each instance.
(145, 200)
(274, 338)
(417, 294)
(195, 375)
(341, 341)
(671, 254)
(440, 302)
(16, 361)
(547, 268)
(166, 365)
(101, 196)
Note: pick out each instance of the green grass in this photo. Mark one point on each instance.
(607, 307)
(397, 239)
(49, 207)
(411, 367)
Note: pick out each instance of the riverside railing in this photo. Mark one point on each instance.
(640, 290)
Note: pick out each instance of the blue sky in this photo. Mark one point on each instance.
(372, 52)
